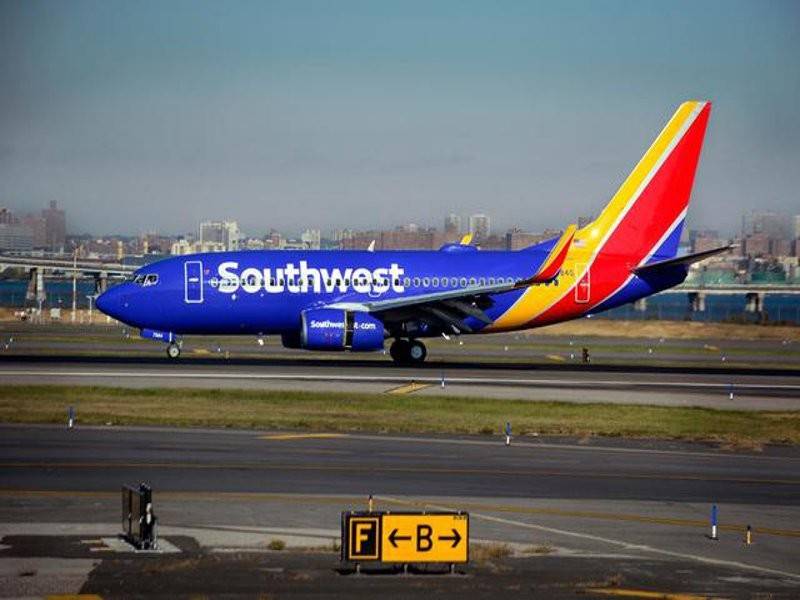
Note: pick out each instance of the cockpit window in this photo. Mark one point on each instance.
(143, 279)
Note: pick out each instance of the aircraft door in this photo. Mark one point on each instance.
(193, 281)
(583, 289)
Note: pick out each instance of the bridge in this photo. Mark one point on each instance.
(36, 266)
(754, 293)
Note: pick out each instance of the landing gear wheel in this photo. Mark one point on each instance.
(408, 352)
(173, 350)
(416, 352)
(398, 350)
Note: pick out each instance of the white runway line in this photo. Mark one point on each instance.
(596, 538)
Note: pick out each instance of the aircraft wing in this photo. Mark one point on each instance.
(451, 307)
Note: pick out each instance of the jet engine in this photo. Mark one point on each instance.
(335, 329)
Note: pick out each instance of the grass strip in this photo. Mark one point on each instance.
(343, 412)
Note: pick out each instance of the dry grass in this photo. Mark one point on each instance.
(489, 552)
(540, 549)
(686, 330)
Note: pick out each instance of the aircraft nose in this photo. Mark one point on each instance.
(109, 303)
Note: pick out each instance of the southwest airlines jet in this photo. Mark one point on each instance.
(356, 300)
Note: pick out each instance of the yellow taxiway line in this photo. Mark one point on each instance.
(645, 594)
(301, 436)
(409, 388)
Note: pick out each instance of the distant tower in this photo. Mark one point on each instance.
(55, 227)
(480, 226)
(221, 232)
(452, 223)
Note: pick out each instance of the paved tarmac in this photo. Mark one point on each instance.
(742, 389)
(630, 511)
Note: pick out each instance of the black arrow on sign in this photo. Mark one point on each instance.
(455, 538)
(394, 538)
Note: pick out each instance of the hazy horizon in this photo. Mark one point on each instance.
(151, 116)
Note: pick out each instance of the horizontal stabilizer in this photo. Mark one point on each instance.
(681, 260)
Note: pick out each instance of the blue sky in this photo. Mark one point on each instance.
(141, 116)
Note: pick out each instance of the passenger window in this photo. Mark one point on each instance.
(472, 281)
(407, 282)
(426, 282)
(416, 282)
(435, 282)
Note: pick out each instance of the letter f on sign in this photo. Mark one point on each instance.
(362, 535)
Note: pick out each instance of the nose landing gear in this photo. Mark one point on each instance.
(408, 352)
(173, 350)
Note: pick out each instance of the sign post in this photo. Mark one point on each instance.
(404, 538)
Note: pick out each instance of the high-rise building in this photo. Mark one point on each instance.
(7, 217)
(452, 223)
(55, 227)
(479, 226)
(756, 244)
(15, 236)
(225, 233)
(797, 227)
(311, 239)
(774, 225)
(516, 239)
(340, 235)
(38, 227)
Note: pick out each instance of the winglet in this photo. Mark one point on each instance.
(555, 260)
(466, 240)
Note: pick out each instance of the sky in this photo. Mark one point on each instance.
(141, 116)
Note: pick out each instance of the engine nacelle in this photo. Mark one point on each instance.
(335, 329)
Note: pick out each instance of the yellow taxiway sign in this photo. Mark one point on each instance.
(405, 537)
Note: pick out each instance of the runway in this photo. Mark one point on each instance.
(94, 459)
(621, 514)
(768, 389)
(624, 504)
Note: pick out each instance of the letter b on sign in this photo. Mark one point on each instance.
(424, 538)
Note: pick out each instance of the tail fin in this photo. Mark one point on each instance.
(644, 219)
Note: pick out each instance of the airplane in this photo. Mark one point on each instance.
(348, 300)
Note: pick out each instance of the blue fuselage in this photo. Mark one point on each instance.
(264, 292)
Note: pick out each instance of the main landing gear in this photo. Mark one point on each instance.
(408, 352)
(173, 350)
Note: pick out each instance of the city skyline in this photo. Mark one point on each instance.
(376, 114)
